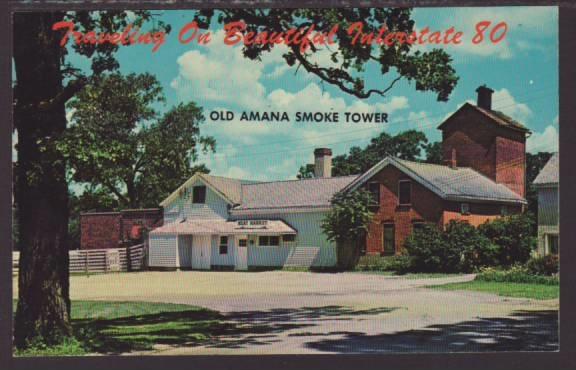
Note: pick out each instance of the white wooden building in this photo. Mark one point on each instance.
(213, 222)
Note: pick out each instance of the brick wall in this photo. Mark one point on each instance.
(495, 151)
(102, 230)
(426, 206)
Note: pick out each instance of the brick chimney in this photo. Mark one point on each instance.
(484, 97)
(323, 162)
(451, 162)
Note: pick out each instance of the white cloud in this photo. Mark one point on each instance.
(505, 102)
(530, 24)
(545, 141)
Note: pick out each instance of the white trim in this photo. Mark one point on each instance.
(197, 176)
(268, 211)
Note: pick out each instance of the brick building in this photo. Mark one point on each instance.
(483, 178)
(99, 230)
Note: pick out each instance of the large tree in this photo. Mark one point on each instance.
(428, 71)
(121, 145)
(44, 82)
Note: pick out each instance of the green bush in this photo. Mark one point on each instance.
(459, 248)
(515, 274)
(513, 236)
(397, 264)
(547, 265)
(430, 251)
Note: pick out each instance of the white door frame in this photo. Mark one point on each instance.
(201, 252)
(240, 253)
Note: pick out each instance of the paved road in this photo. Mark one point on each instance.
(299, 312)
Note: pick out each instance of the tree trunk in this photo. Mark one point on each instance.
(43, 311)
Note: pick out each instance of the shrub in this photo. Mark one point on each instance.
(400, 264)
(515, 274)
(513, 236)
(429, 251)
(460, 248)
(397, 264)
(473, 249)
(547, 265)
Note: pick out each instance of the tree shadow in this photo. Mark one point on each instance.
(204, 328)
(522, 331)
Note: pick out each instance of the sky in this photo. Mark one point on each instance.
(522, 70)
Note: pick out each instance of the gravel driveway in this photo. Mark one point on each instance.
(300, 312)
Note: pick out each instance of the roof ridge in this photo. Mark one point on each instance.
(302, 180)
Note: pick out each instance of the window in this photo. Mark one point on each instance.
(465, 208)
(388, 240)
(404, 192)
(223, 245)
(553, 244)
(288, 237)
(417, 225)
(504, 211)
(265, 240)
(374, 189)
(242, 242)
(199, 194)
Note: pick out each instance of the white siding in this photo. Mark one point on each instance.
(215, 207)
(162, 251)
(185, 251)
(548, 214)
(308, 227)
(222, 259)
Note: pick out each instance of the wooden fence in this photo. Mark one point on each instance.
(101, 260)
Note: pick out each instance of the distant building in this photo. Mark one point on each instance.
(548, 207)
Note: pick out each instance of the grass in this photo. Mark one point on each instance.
(519, 290)
(117, 327)
(411, 275)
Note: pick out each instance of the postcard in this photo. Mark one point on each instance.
(285, 181)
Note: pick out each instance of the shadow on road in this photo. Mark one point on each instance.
(522, 331)
(207, 328)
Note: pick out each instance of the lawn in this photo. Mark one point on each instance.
(519, 290)
(415, 275)
(117, 327)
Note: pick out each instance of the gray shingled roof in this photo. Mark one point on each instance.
(496, 116)
(460, 183)
(550, 172)
(231, 188)
(308, 193)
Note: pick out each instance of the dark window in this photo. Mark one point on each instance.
(504, 211)
(374, 189)
(404, 193)
(417, 225)
(242, 242)
(223, 245)
(265, 240)
(465, 208)
(553, 244)
(199, 194)
(289, 237)
(388, 240)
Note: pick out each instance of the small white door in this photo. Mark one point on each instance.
(241, 255)
(201, 251)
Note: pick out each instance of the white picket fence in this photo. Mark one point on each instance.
(100, 260)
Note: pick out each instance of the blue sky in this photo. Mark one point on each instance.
(523, 71)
